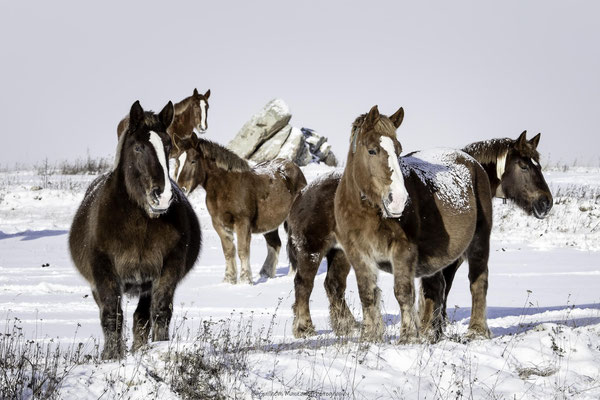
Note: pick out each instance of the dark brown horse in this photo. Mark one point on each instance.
(311, 223)
(243, 200)
(136, 233)
(514, 171)
(418, 221)
(191, 114)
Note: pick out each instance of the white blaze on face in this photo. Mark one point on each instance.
(397, 188)
(182, 159)
(164, 198)
(501, 165)
(203, 115)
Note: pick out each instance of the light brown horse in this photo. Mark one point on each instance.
(243, 200)
(510, 164)
(191, 114)
(417, 221)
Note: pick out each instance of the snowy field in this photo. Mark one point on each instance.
(543, 310)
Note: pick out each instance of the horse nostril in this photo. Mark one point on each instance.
(155, 193)
(390, 198)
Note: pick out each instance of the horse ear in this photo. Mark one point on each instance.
(166, 115)
(521, 140)
(136, 114)
(397, 117)
(195, 92)
(372, 116)
(535, 140)
(207, 94)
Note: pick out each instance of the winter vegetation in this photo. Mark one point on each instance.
(235, 341)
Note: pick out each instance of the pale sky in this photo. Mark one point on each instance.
(462, 70)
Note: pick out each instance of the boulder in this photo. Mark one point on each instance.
(295, 148)
(331, 160)
(271, 148)
(262, 126)
(313, 139)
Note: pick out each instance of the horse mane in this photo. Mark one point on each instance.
(150, 120)
(222, 156)
(494, 151)
(180, 107)
(381, 124)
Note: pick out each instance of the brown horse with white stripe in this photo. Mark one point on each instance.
(136, 233)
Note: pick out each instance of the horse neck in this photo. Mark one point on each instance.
(182, 120)
(348, 185)
(492, 172)
(117, 185)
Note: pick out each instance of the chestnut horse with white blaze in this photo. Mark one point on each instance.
(417, 218)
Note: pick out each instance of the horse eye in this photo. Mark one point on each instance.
(524, 167)
(373, 152)
(193, 162)
(138, 148)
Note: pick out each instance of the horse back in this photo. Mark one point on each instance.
(448, 195)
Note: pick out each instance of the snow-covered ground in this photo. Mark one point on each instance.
(543, 310)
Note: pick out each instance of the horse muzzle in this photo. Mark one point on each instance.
(158, 204)
(393, 206)
(541, 207)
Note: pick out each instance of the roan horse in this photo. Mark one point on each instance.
(513, 164)
(418, 223)
(191, 114)
(136, 233)
(243, 200)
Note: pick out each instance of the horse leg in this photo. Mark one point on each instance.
(449, 272)
(107, 293)
(477, 255)
(228, 245)
(244, 235)
(163, 291)
(306, 267)
(273, 246)
(341, 319)
(141, 321)
(404, 289)
(430, 309)
(370, 295)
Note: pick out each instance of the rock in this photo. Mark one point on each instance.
(331, 160)
(295, 148)
(271, 148)
(323, 151)
(262, 126)
(313, 139)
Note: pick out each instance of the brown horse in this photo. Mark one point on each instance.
(311, 223)
(136, 233)
(242, 199)
(514, 171)
(191, 114)
(418, 221)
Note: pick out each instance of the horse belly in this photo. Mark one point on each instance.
(440, 247)
(273, 208)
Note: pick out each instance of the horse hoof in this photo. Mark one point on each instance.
(230, 279)
(478, 334)
(266, 274)
(246, 280)
(304, 332)
(111, 353)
